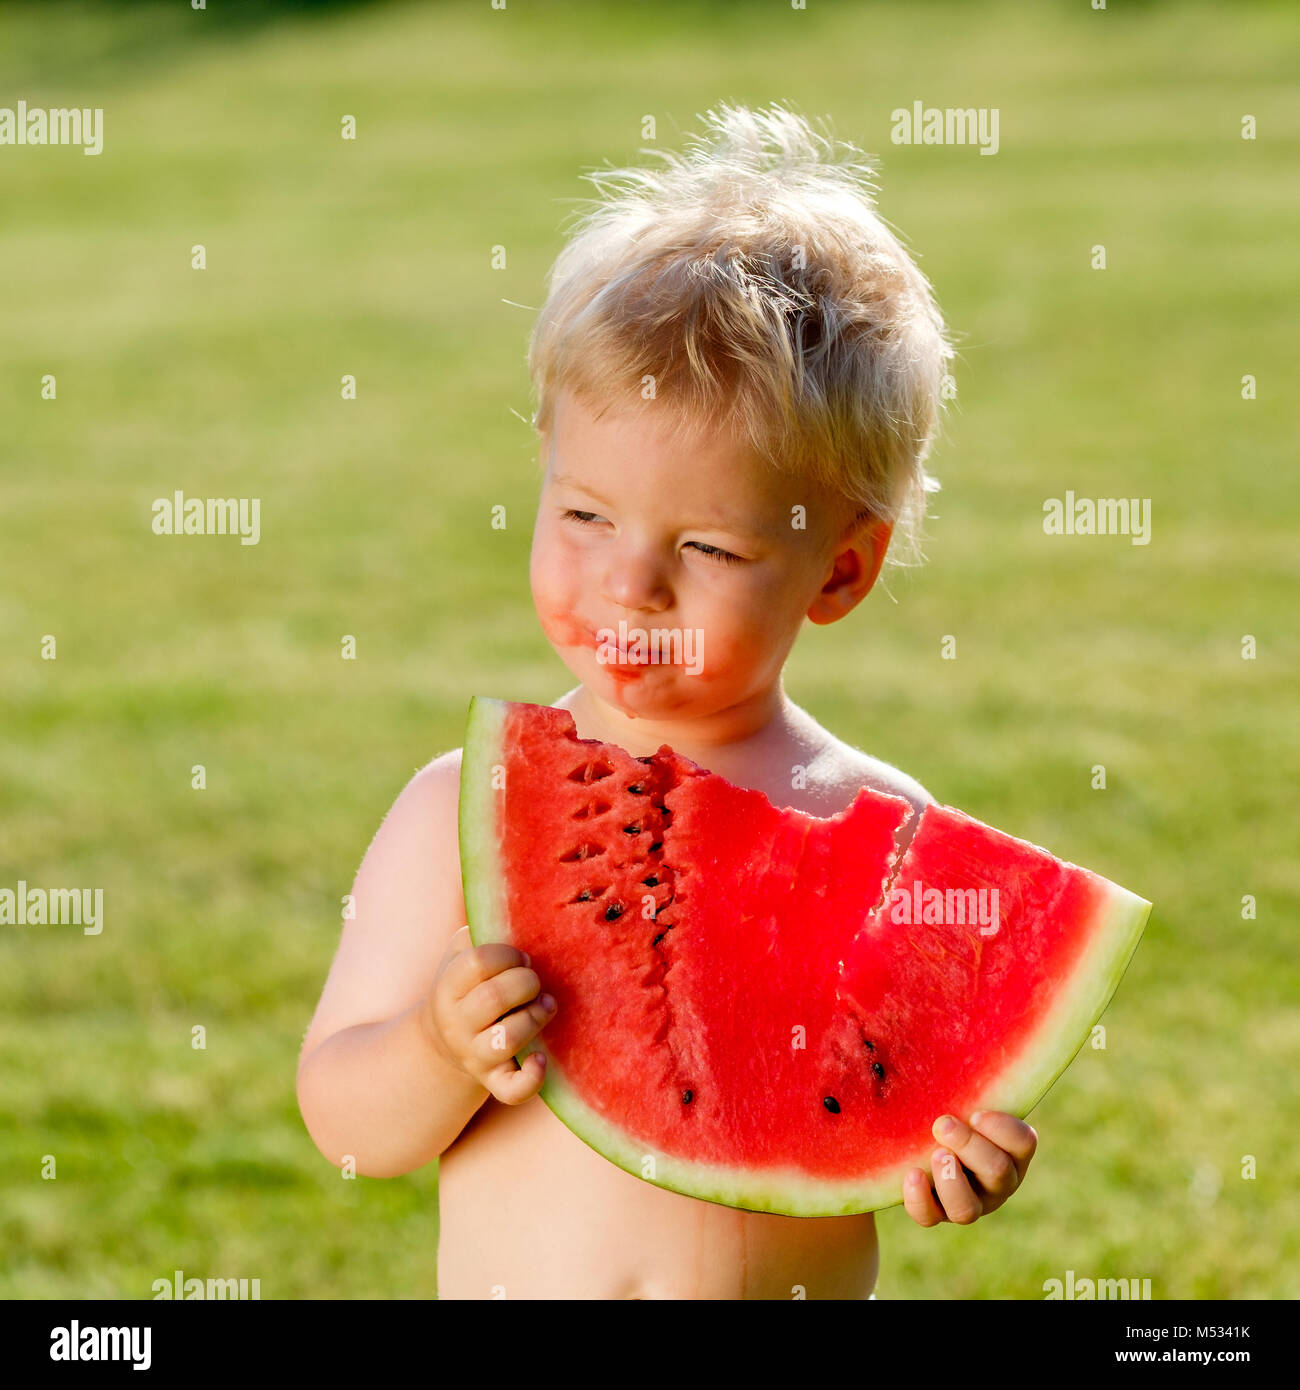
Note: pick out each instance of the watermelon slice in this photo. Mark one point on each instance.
(763, 1008)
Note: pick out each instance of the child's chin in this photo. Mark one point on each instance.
(649, 691)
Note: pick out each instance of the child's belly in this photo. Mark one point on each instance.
(527, 1210)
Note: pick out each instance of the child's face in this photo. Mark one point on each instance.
(651, 513)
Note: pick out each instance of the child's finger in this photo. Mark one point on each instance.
(470, 969)
(507, 1035)
(994, 1169)
(1008, 1133)
(919, 1200)
(513, 1085)
(954, 1191)
(493, 999)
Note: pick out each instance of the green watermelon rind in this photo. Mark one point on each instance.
(482, 874)
(1115, 930)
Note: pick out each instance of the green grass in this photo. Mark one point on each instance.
(324, 258)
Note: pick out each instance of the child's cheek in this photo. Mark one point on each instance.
(768, 623)
(550, 554)
(561, 627)
(558, 558)
(560, 594)
(730, 640)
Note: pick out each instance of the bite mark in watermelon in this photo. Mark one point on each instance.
(744, 996)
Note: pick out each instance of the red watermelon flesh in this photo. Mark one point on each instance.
(761, 1007)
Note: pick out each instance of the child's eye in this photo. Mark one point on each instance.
(712, 551)
(725, 556)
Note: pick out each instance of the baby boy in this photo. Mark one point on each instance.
(739, 371)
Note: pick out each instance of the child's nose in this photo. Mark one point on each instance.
(637, 583)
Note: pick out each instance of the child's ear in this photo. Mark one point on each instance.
(854, 570)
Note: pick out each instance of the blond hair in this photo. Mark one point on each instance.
(753, 281)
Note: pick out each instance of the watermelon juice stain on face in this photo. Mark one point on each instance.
(562, 628)
(565, 630)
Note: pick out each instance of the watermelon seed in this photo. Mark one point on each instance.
(658, 844)
(584, 896)
(687, 1097)
(661, 935)
(871, 1047)
(591, 772)
(581, 852)
(631, 830)
(832, 1105)
(613, 912)
(651, 882)
(878, 1070)
(636, 789)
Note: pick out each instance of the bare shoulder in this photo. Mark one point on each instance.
(842, 771)
(429, 800)
(441, 776)
(405, 906)
(436, 790)
(862, 770)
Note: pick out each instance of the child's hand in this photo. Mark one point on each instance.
(989, 1164)
(476, 1020)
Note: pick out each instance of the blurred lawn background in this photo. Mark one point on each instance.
(328, 257)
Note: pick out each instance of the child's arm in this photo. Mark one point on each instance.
(378, 1078)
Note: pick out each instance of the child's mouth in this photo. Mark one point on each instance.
(635, 649)
(615, 652)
